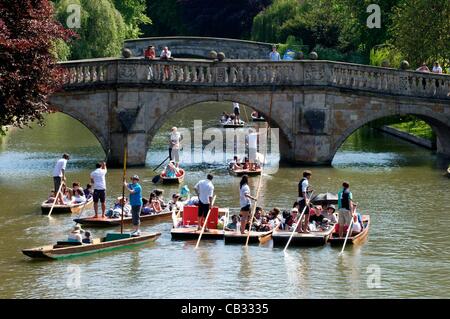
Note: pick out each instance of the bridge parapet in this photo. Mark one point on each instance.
(252, 73)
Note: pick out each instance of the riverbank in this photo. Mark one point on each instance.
(410, 137)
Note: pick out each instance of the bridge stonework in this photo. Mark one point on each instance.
(316, 104)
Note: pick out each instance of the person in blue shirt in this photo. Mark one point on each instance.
(135, 190)
(345, 207)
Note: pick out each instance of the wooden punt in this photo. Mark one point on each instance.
(173, 180)
(66, 209)
(258, 119)
(68, 249)
(191, 233)
(248, 172)
(232, 237)
(335, 240)
(110, 222)
(314, 238)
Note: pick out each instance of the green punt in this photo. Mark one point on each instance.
(64, 249)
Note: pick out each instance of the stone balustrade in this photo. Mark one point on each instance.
(250, 73)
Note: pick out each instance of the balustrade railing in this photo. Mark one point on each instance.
(247, 73)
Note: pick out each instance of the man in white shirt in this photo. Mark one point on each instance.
(165, 53)
(437, 68)
(205, 192)
(274, 55)
(174, 145)
(59, 172)
(99, 184)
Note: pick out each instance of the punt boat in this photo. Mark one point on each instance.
(110, 222)
(173, 180)
(313, 238)
(335, 240)
(66, 209)
(67, 249)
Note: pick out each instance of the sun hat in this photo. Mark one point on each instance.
(135, 177)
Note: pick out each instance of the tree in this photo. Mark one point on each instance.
(230, 19)
(102, 30)
(421, 31)
(134, 15)
(28, 69)
(166, 18)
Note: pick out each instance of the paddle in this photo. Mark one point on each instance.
(206, 221)
(346, 236)
(126, 119)
(265, 238)
(56, 199)
(348, 232)
(298, 221)
(161, 164)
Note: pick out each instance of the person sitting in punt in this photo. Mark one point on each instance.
(329, 214)
(265, 225)
(234, 223)
(78, 196)
(246, 164)
(257, 219)
(116, 211)
(357, 223)
(51, 197)
(159, 196)
(234, 164)
(185, 193)
(88, 191)
(316, 219)
(152, 206)
(87, 238)
(171, 170)
(174, 204)
(75, 234)
(274, 217)
(193, 201)
(224, 118)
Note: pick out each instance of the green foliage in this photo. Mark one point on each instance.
(416, 127)
(293, 44)
(421, 31)
(385, 54)
(267, 25)
(336, 55)
(166, 18)
(102, 30)
(134, 15)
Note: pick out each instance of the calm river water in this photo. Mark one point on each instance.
(397, 183)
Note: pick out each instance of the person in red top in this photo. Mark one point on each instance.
(150, 52)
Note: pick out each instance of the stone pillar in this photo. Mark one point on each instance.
(310, 150)
(137, 149)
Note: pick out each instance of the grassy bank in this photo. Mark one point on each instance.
(417, 127)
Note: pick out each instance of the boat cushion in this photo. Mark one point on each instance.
(117, 236)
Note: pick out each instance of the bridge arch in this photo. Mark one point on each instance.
(439, 124)
(81, 115)
(193, 101)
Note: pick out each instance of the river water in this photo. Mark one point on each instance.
(395, 182)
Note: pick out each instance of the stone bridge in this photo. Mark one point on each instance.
(316, 104)
(199, 47)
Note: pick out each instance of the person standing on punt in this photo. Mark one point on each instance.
(174, 145)
(303, 190)
(205, 192)
(99, 182)
(345, 207)
(59, 172)
(236, 111)
(244, 200)
(135, 190)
